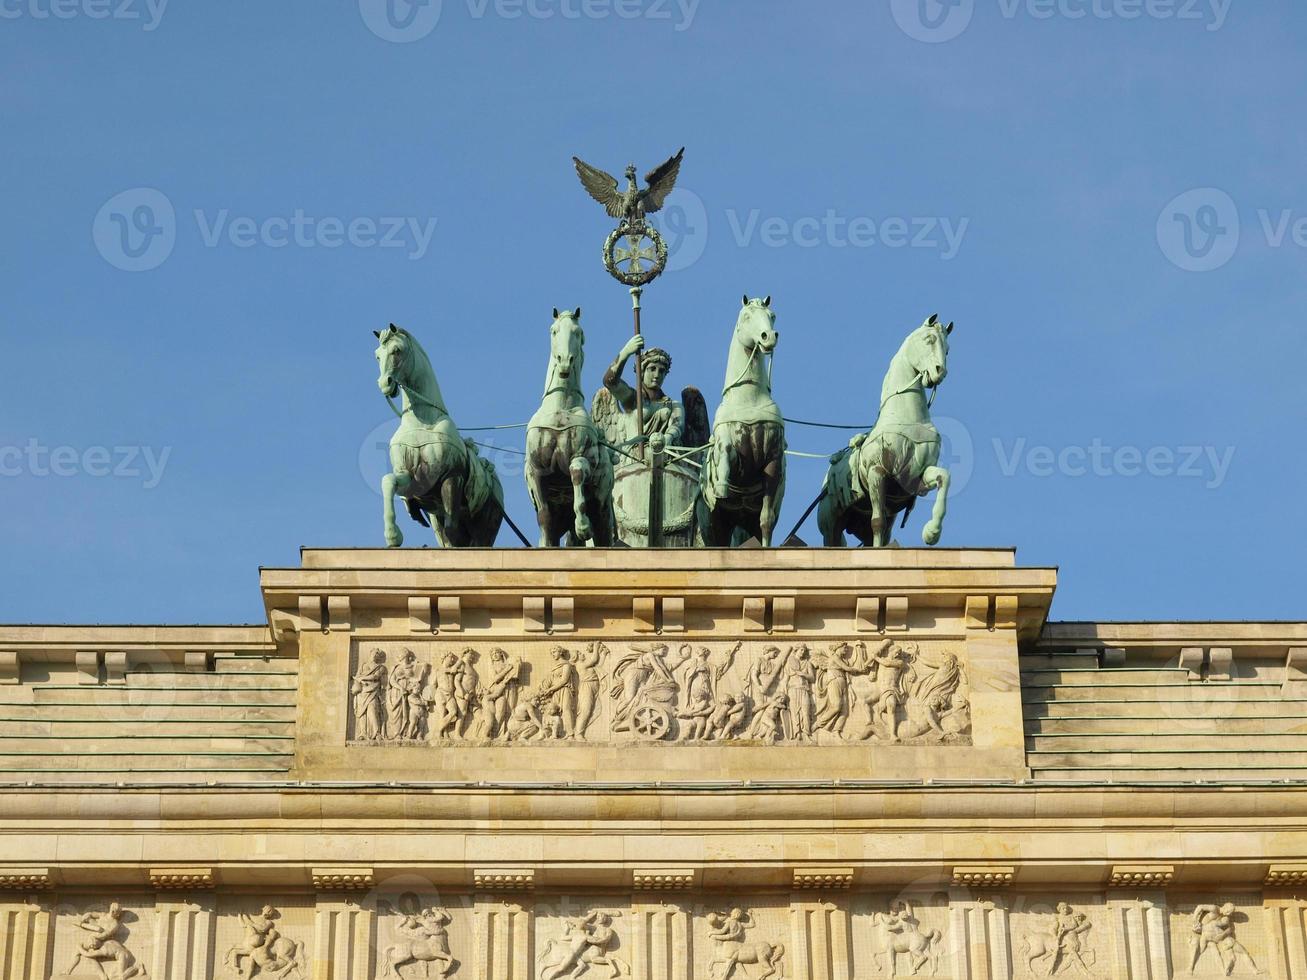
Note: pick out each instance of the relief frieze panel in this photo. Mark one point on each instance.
(748, 692)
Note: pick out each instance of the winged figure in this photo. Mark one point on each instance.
(632, 204)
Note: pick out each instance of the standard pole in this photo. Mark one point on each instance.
(636, 292)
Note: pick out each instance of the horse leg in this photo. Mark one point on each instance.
(451, 498)
(580, 471)
(937, 477)
(880, 523)
(773, 476)
(535, 488)
(391, 484)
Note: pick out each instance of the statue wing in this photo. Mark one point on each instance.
(606, 415)
(697, 431)
(601, 186)
(661, 180)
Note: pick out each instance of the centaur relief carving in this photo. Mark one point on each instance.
(759, 692)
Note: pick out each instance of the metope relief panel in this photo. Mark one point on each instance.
(753, 692)
(263, 938)
(575, 936)
(426, 937)
(110, 936)
(746, 939)
(1215, 935)
(1060, 936)
(901, 935)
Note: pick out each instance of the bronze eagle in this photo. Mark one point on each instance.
(632, 204)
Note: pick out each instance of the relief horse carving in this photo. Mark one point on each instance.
(569, 472)
(883, 472)
(443, 481)
(743, 477)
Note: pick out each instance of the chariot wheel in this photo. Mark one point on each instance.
(651, 722)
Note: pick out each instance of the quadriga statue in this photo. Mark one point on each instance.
(569, 472)
(882, 472)
(743, 478)
(444, 483)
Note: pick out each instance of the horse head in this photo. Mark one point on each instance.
(566, 349)
(926, 350)
(756, 327)
(393, 359)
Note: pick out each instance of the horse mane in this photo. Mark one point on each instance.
(421, 363)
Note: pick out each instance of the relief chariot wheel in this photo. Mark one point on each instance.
(651, 722)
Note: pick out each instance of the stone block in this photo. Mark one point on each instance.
(338, 614)
(644, 614)
(449, 612)
(896, 613)
(419, 614)
(663, 879)
(88, 666)
(339, 879)
(1295, 674)
(1140, 875)
(823, 879)
(534, 614)
(504, 879)
(562, 614)
(983, 875)
(673, 614)
(782, 614)
(755, 615)
(181, 879)
(867, 614)
(310, 610)
(1220, 664)
(9, 667)
(1191, 659)
(115, 667)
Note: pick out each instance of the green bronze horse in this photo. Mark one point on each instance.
(743, 477)
(882, 472)
(569, 472)
(444, 483)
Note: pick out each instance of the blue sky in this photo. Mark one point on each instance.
(1106, 196)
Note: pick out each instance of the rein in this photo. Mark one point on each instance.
(918, 381)
(743, 379)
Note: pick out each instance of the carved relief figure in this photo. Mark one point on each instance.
(524, 724)
(889, 663)
(456, 684)
(499, 697)
(935, 707)
(557, 697)
(902, 935)
(368, 688)
(1062, 945)
(834, 669)
(699, 678)
(424, 939)
(727, 719)
(645, 689)
(728, 932)
(588, 941)
(1213, 928)
(799, 676)
(263, 951)
(102, 949)
(587, 705)
(406, 707)
(769, 718)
